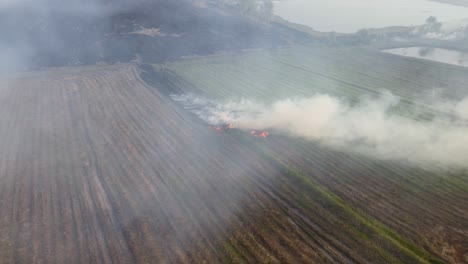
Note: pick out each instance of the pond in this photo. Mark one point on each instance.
(453, 57)
(348, 16)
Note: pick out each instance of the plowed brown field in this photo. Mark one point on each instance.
(96, 166)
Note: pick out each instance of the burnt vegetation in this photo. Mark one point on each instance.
(99, 165)
(60, 34)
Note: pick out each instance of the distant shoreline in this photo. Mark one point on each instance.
(453, 2)
(323, 15)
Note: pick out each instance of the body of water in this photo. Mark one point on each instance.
(434, 54)
(351, 15)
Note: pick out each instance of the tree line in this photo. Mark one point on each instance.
(262, 9)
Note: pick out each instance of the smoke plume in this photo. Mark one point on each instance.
(369, 127)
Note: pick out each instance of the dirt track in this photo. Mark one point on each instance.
(98, 167)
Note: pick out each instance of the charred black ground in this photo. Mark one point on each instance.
(50, 33)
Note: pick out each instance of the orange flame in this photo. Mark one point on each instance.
(262, 134)
(222, 128)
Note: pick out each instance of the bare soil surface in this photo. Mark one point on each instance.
(99, 167)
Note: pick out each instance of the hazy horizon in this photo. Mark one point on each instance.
(350, 16)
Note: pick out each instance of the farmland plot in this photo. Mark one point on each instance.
(346, 73)
(427, 206)
(99, 167)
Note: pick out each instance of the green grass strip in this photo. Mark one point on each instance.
(406, 246)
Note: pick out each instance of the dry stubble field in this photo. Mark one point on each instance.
(97, 166)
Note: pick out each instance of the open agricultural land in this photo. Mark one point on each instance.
(346, 72)
(99, 165)
(423, 206)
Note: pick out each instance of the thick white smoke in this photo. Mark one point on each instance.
(369, 127)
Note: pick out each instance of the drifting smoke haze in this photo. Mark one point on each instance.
(47, 32)
(54, 33)
(369, 127)
(99, 165)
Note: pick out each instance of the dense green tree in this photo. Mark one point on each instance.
(363, 35)
(254, 8)
(432, 25)
(465, 33)
(266, 9)
(332, 38)
(248, 7)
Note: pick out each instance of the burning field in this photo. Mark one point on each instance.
(98, 166)
(388, 144)
(201, 132)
